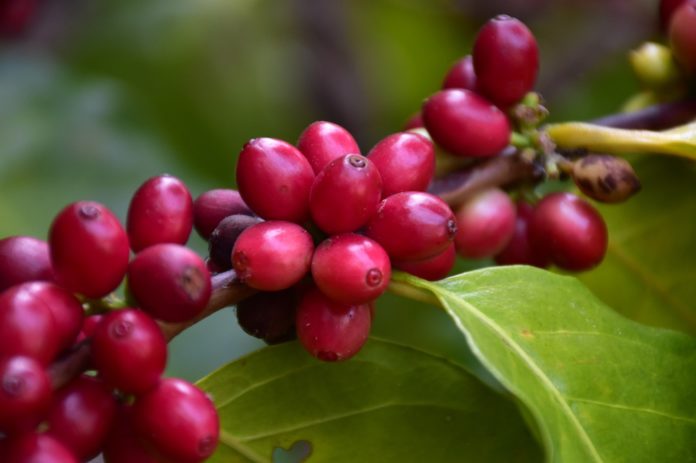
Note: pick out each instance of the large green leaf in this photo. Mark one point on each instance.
(600, 387)
(650, 268)
(388, 404)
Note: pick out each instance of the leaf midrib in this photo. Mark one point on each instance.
(443, 293)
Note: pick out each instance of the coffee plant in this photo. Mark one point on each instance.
(318, 230)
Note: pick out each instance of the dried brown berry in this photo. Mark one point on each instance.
(605, 178)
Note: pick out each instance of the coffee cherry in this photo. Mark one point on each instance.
(570, 230)
(485, 224)
(519, 250)
(224, 236)
(433, 268)
(406, 162)
(461, 75)
(38, 448)
(81, 415)
(272, 255)
(122, 444)
(605, 178)
(161, 211)
(170, 282)
(89, 324)
(129, 351)
(330, 330)
(414, 122)
(269, 316)
(16, 16)
(412, 225)
(27, 326)
(506, 60)
(322, 142)
(364, 266)
(212, 206)
(667, 9)
(89, 249)
(682, 35)
(178, 420)
(25, 392)
(274, 179)
(465, 124)
(345, 194)
(22, 259)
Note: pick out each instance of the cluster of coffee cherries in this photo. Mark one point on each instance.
(57, 299)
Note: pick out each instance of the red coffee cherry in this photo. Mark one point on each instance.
(461, 75)
(178, 420)
(269, 315)
(16, 16)
(351, 268)
(161, 211)
(122, 444)
(485, 224)
(322, 142)
(224, 236)
(506, 60)
(414, 122)
(170, 282)
(433, 268)
(89, 249)
(519, 250)
(682, 35)
(465, 124)
(274, 179)
(212, 206)
(272, 255)
(345, 194)
(129, 351)
(81, 415)
(330, 330)
(27, 326)
(570, 231)
(22, 259)
(38, 448)
(406, 162)
(667, 9)
(412, 225)
(25, 393)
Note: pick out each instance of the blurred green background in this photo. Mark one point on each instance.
(96, 97)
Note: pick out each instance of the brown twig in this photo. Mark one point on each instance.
(227, 290)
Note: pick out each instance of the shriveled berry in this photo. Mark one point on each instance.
(351, 268)
(214, 205)
(465, 124)
(570, 230)
(605, 178)
(80, 416)
(345, 194)
(25, 392)
(412, 225)
(519, 250)
(27, 326)
(506, 60)
(161, 211)
(274, 179)
(129, 350)
(178, 420)
(330, 330)
(406, 162)
(272, 255)
(485, 224)
(122, 444)
(89, 249)
(461, 75)
(682, 35)
(433, 268)
(224, 236)
(322, 142)
(269, 315)
(38, 448)
(170, 282)
(22, 259)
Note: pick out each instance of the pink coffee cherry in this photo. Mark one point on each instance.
(22, 259)
(322, 142)
(433, 268)
(25, 393)
(519, 250)
(461, 75)
(406, 162)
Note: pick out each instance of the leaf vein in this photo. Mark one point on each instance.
(633, 409)
(231, 441)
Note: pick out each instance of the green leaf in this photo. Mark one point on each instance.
(600, 387)
(648, 273)
(390, 403)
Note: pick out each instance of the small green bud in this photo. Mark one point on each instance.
(605, 178)
(654, 66)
